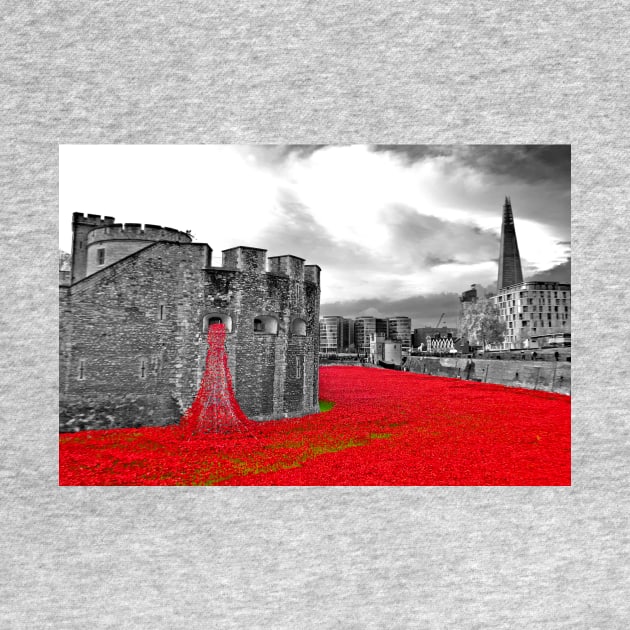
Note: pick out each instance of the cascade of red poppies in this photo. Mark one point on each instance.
(215, 408)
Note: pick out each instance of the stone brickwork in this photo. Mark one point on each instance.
(551, 376)
(133, 334)
(116, 241)
(82, 225)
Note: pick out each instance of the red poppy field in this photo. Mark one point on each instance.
(384, 428)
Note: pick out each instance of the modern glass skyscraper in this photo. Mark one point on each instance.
(510, 270)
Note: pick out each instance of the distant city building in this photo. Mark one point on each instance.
(334, 334)
(385, 350)
(363, 328)
(351, 345)
(381, 326)
(552, 340)
(510, 270)
(419, 336)
(439, 343)
(399, 329)
(532, 310)
(470, 296)
(391, 329)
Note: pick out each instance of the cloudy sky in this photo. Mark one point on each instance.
(397, 230)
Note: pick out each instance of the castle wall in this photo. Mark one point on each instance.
(65, 334)
(267, 380)
(127, 351)
(135, 345)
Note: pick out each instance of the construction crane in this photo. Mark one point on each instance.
(440, 320)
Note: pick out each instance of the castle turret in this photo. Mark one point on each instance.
(81, 225)
(312, 273)
(245, 259)
(107, 245)
(291, 266)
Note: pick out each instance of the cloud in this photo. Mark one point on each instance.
(433, 260)
(278, 157)
(301, 151)
(529, 163)
(423, 309)
(421, 241)
(559, 273)
(383, 222)
(294, 230)
(408, 251)
(411, 153)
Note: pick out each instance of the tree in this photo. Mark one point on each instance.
(481, 323)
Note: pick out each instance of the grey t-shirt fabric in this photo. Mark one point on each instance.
(325, 72)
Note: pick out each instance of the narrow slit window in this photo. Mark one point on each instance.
(143, 369)
(161, 311)
(82, 370)
(100, 256)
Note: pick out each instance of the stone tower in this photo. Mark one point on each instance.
(134, 319)
(510, 271)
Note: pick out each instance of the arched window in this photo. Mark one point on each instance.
(217, 318)
(298, 327)
(266, 324)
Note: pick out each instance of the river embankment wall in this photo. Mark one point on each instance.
(550, 376)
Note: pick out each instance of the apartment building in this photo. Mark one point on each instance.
(532, 309)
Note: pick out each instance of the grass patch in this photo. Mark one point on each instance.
(325, 405)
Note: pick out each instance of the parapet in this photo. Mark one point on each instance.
(291, 266)
(312, 273)
(255, 259)
(92, 219)
(245, 259)
(135, 231)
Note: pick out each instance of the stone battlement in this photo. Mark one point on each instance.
(91, 219)
(136, 231)
(255, 260)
